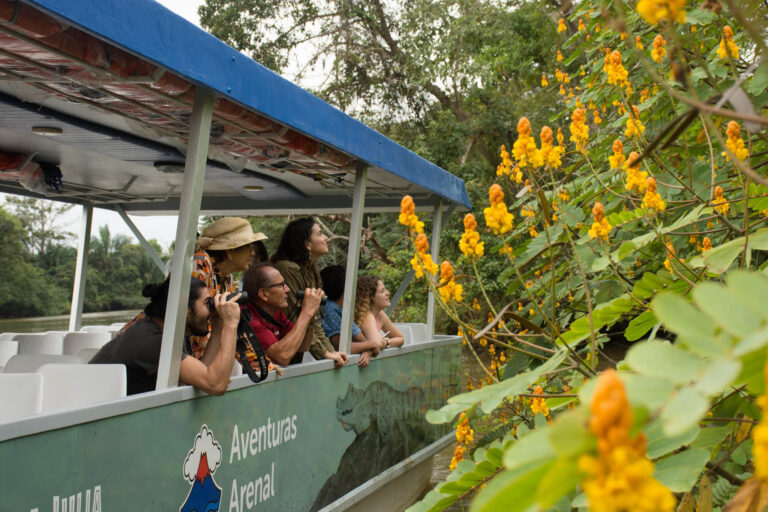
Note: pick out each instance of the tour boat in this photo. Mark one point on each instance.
(123, 105)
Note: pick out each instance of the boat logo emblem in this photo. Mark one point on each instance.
(199, 467)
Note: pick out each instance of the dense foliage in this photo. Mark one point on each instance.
(644, 230)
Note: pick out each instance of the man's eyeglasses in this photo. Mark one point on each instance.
(281, 284)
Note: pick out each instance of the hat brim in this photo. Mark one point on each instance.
(234, 244)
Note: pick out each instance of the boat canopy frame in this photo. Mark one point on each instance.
(129, 93)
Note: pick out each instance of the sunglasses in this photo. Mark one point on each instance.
(281, 284)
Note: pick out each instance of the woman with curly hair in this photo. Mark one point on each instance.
(302, 243)
(370, 305)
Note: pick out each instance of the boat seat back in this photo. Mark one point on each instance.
(29, 363)
(8, 349)
(74, 342)
(420, 332)
(21, 395)
(8, 335)
(95, 328)
(67, 386)
(40, 343)
(407, 333)
(87, 354)
(237, 369)
(308, 358)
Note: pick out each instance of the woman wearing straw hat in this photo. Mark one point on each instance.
(226, 246)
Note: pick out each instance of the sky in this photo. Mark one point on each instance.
(161, 228)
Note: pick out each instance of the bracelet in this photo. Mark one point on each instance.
(387, 342)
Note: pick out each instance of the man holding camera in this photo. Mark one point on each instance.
(138, 346)
(283, 341)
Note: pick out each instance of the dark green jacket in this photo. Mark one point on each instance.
(299, 278)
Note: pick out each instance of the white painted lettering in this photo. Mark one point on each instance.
(55, 504)
(96, 499)
(262, 435)
(235, 445)
(293, 427)
(87, 500)
(272, 480)
(242, 496)
(233, 503)
(80, 502)
(287, 429)
(63, 504)
(254, 441)
(249, 496)
(269, 427)
(258, 485)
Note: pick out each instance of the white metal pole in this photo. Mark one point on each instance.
(437, 227)
(81, 268)
(159, 263)
(353, 260)
(186, 231)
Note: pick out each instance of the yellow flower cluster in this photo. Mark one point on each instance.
(706, 244)
(719, 202)
(559, 56)
(639, 43)
(620, 478)
(524, 150)
(735, 142)
(449, 288)
(582, 26)
(497, 216)
(601, 227)
(652, 198)
(612, 66)
(727, 49)
(654, 11)
(635, 127)
(636, 179)
(562, 77)
(564, 195)
(422, 260)
(579, 129)
(470, 243)
(760, 437)
(561, 26)
(618, 158)
(505, 166)
(550, 154)
(544, 82)
(408, 216)
(464, 435)
(658, 51)
(670, 252)
(539, 405)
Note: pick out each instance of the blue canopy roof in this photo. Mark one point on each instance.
(148, 30)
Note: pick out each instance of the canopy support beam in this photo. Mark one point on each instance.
(437, 227)
(159, 263)
(81, 269)
(409, 276)
(186, 231)
(353, 259)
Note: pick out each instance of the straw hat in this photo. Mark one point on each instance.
(228, 233)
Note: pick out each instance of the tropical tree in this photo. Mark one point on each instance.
(41, 219)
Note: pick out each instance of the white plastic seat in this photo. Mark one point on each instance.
(67, 387)
(29, 363)
(117, 326)
(237, 369)
(8, 349)
(407, 331)
(308, 358)
(420, 332)
(8, 335)
(40, 343)
(87, 354)
(74, 342)
(94, 328)
(21, 395)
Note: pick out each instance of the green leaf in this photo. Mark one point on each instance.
(661, 359)
(511, 491)
(649, 392)
(561, 479)
(533, 449)
(725, 309)
(758, 240)
(680, 472)
(750, 288)
(719, 259)
(752, 371)
(683, 411)
(710, 437)
(695, 328)
(660, 444)
(445, 413)
(759, 81)
(569, 435)
(640, 325)
(626, 249)
(717, 376)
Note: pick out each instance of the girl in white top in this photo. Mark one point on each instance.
(371, 302)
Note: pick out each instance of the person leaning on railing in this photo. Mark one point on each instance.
(296, 257)
(371, 303)
(138, 346)
(333, 285)
(283, 341)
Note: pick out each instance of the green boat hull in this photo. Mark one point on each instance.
(296, 442)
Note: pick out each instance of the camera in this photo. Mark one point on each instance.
(300, 297)
(243, 300)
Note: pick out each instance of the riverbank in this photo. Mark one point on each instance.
(61, 322)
